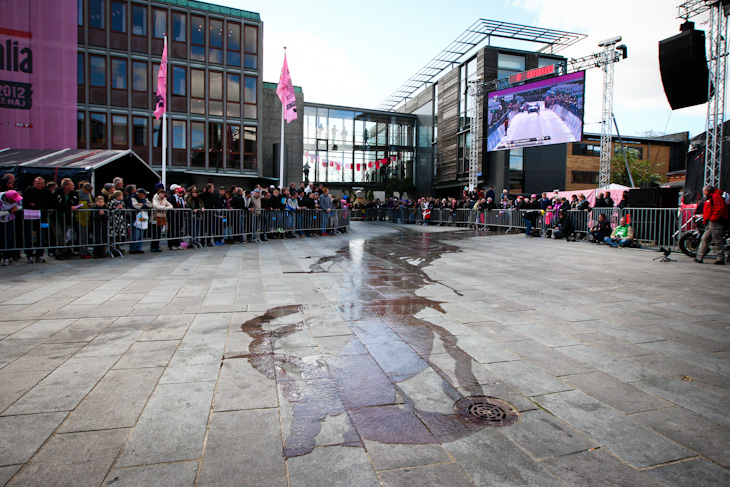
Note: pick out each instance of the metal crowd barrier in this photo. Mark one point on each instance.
(102, 231)
(653, 227)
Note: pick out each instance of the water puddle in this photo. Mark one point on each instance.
(386, 379)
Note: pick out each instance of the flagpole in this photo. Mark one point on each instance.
(281, 145)
(164, 133)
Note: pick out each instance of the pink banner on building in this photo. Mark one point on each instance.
(38, 43)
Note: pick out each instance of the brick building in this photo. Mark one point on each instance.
(582, 160)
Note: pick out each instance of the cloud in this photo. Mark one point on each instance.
(638, 90)
(324, 71)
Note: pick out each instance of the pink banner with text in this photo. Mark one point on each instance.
(38, 74)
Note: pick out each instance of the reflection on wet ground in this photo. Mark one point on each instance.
(389, 378)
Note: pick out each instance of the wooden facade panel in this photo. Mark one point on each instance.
(448, 125)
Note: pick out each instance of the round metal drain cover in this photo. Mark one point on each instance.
(486, 410)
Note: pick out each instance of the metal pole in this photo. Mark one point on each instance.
(623, 152)
(281, 149)
(164, 133)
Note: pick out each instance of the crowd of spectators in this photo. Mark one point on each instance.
(67, 219)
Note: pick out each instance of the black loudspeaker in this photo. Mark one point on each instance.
(683, 65)
(654, 198)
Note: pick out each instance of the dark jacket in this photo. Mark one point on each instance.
(37, 199)
(63, 202)
(566, 226)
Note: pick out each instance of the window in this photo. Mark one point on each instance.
(159, 23)
(119, 74)
(215, 53)
(179, 29)
(197, 91)
(120, 139)
(97, 71)
(584, 177)
(98, 130)
(468, 71)
(178, 134)
(119, 17)
(139, 20)
(586, 150)
(157, 136)
(215, 145)
(81, 130)
(139, 76)
(635, 152)
(543, 61)
(233, 54)
(215, 93)
(197, 144)
(233, 99)
(80, 10)
(139, 132)
(516, 160)
(80, 69)
(179, 81)
(96, 14)
(233, 147)
(197, 38)
(249, 147)
(464, 146)
(508, 64)
(250, 43)
(249, 97)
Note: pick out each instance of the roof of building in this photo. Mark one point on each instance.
(632, 139)
(272, 86)
(482, 30)
(218, 9)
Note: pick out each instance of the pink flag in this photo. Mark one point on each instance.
(162, 85)
(285, 90)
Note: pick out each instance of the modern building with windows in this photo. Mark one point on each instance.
(214, 85)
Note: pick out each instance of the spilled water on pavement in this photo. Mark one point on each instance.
(384, 378)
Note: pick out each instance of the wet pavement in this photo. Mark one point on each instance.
(386, 356)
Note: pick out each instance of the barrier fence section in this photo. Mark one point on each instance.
(99, 231)
(653, 227)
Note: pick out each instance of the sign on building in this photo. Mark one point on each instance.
(38, 43)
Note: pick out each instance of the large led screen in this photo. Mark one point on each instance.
(535, 114)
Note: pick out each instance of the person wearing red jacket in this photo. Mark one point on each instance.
(715, 213)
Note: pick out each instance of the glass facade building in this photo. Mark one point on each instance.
(354, 146)
(213, 91)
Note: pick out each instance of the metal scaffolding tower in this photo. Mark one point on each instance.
(608, 57)
(717, 61)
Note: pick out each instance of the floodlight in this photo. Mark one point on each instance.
(610, 41)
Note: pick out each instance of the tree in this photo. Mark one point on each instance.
(642, 171)
(406, 186)
(391, 186)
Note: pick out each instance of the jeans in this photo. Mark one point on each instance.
(325, 215)
(528, 226)
(624, 242)
(137, 236)
(713, 233)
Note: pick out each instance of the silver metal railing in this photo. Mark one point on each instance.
(100, 231)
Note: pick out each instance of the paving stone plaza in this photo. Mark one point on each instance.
(342, 361)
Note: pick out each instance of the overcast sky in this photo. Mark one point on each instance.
(357, 53)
